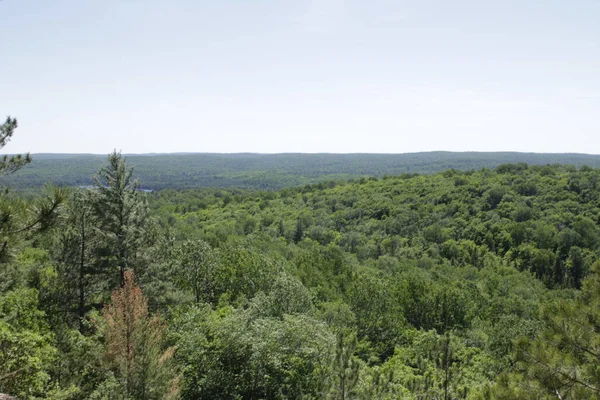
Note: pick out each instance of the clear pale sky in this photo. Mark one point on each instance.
(301, 76)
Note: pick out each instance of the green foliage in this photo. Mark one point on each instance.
(439, 366)
(12, 164)
(392, 260)
(134, 345)
(196, 269)
(80, 280)
(344, 370)
(403, 287)
(563, 360)
(121, 214)
(26, 345)
(277, 171)
(21, 219)
(236, 353)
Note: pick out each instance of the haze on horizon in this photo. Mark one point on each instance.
(338, 76)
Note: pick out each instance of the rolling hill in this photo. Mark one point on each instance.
(267, 171)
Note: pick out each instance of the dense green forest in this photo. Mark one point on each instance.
(458, 285)
(267, 171)
(455, 285)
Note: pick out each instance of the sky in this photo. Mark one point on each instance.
(271, 76)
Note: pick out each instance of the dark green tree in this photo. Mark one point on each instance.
(122, 215)
(78, 245)
(299, 232)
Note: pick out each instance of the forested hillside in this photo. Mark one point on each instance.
(456, 285)
(267, 171)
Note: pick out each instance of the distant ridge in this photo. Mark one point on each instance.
(269, 171)
(186, 153)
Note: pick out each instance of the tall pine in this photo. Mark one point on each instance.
(76, 258)
(122, 214)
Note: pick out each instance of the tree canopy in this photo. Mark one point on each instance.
(457, 285)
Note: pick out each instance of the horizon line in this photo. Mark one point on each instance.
(316, 153)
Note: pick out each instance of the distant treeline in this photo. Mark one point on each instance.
(267, 171)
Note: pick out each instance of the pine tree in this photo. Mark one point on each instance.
(20, 219)
(11, 164)
(122, 215)
(78, 243)
(134, 345)
(562, 362)
(345, 368)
